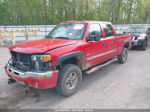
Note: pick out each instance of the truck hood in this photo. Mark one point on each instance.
(136, 35)
(41, 46)
(139, 35)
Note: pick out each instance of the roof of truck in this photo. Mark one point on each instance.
(85, 21)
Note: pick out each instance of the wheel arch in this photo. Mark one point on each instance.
(76, 58)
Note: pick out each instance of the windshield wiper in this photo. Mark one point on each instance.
(61, 38)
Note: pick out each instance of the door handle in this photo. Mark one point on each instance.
(115, 41)
(103, 43)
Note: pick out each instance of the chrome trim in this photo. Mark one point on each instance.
(101, 55)
(25, 75)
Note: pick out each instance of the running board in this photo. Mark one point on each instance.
(93, 69)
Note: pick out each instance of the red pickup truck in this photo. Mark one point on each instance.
(57, 61)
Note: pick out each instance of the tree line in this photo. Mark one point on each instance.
(44, 12)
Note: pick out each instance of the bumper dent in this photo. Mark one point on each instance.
(24, 75)
(40, 80)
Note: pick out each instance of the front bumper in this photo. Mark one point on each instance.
(40, 80)
(137, 42)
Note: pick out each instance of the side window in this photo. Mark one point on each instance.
(108, 30)
(95, 28)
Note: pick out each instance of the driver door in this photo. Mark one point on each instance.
(94, 47)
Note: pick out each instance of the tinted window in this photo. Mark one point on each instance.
(108, 30)
(95, 28)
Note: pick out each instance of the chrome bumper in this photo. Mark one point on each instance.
(25, 75)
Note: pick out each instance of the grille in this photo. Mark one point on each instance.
(135, 38)
(21, 61)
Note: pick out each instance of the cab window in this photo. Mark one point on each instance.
(108, 30)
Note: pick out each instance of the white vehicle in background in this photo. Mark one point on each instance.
(140, 36)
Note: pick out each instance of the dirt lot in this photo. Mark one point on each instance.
(114, 86)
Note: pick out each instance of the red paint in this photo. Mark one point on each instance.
(40, 46)
(60, 47)
(42, 83)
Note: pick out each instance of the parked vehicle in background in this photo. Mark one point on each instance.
(140, 36)
(70, 48)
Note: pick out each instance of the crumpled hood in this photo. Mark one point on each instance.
(41, 46)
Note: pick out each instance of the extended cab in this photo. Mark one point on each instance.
(57, 61)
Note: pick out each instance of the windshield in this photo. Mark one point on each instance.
(136, 30)
(73, 31)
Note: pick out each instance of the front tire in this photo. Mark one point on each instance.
(144, 45)
(69, 80)
(123, 56)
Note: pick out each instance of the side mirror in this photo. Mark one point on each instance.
(94, 36)
(91, 37)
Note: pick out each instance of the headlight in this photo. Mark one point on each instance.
(142, 35)
(41, 58)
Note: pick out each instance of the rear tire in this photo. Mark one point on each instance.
(123, 56)
(69, 80)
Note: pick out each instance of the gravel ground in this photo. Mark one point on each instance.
(116, 86)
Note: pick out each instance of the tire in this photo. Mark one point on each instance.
(123, 56)
(144, 45)
(69, 75)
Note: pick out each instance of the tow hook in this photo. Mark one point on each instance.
(11, 81)
(29, 92)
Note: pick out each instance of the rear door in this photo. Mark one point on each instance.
(110, 40)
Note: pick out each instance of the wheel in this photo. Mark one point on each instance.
(144, 45)
(69, 80)
(123, 56)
